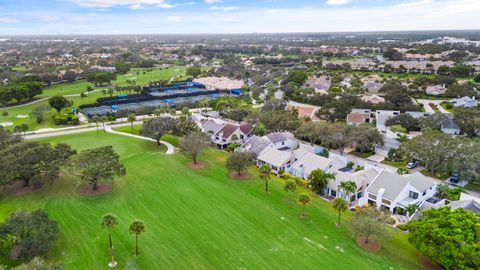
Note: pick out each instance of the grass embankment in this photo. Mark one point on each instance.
(198, 219)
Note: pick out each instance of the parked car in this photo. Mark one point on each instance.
(455, 178)
(412, 165)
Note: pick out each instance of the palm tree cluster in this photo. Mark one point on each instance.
(109, 221)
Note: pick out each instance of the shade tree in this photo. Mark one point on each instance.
(26, 234)
(193, 144)
(98, 165)
(239, 161)
(156, 128)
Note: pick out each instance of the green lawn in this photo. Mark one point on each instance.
(396, 164)
(362, 155)
(473, 186)
(198, 219)
(80, 86)
(135, 131)
(438, 175)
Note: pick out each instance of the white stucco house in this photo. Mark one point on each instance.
(392, 191)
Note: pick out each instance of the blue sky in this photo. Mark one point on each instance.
(233, 16)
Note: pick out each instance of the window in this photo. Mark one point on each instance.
(373, 197)
(333, 193)
(424, 193)
(413, 195)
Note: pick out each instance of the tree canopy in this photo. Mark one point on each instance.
(449, 238)
(27, 234)
(99, 164)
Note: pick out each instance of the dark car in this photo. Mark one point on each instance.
(455, 178)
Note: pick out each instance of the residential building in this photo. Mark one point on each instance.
(308, 162)
(223, 133)
(254, 144)
(465, 102)
(277, 160)
(374, 99)
(450, 127)
(435, 90)
(357, 118)
(391, 191)
(362, 180)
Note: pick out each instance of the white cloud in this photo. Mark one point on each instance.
(213, 1)
(165, 5)
(430, 15)
(9, 20)
(111, 3)
(217, 8)
(337, 2)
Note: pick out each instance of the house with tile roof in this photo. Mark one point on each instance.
(224, 133)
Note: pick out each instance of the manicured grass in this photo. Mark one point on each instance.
(174, 140)
(198, 219)
(396, 164)
(473, 186)
(80, 86)
(73, 88)
(362, 155)
(156, 74)
(438, 175)
(445, 106)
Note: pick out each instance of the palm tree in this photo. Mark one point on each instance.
(103, 119)
(290, 186)
(137, 227)
(348, 187)
(109, 221)
(264, 174)
(319, 180)
(303, 199)
(340, 205)
(131, 118)
(95, 120)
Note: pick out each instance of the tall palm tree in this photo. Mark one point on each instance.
(131, 118)
(340, 205)
(109, 221)
(303, 199)
(137, 227)
(349, 187)
(264, 174)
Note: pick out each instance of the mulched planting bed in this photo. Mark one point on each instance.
(371, 246)
(101, 189)
(242, 176)
(199, 165)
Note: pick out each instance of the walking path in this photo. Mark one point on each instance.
(23, 105)
(170, 148)
(108, 128)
